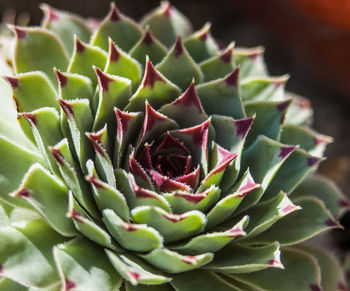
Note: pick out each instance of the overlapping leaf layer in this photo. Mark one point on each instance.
(145, 157)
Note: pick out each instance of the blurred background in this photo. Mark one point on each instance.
(309, 39)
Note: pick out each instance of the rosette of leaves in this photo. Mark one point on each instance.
(141, 156)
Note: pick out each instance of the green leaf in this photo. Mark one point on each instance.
(173, 227)
(236, 258)
(218, 66)
(311, 220)
(203, 280)
(211, 242)
(26, 257)
(36, 185)
(65, 25)
(222, 96)
(14, 163)
(173, 262)
(9, 285)
(301, 273)
(135, 271)
(121, 64)
(34, 43)
(167, 23)
(201, 44)
(32, 91)
(325, 190)
(124, 31)
(263, 89)
(250, 61)
(84, 57)
(149, 46)
(179, 67)
(154, 88)
(85, 266)
(134, 237)
(300, 111)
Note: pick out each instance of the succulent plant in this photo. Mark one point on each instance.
(145, 157)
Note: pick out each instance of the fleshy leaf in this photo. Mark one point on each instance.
(201, 280)
(134, 237)
(114, 91)
(218, 66)
(264, 157)
(201, 44)
(173, 262)
(32, 91)
(106, 196)
(189, 102)
(34, 43)
(303, 274)
(154, 88)
(314, 143)
(65, 25)
(222, 96)
(166, 23)
(149, 46)
(263, 89)
(26, 257)
(172, 227)
(182, 201)
(312, 219)
(82, 265)
(211, 242)
(121, 64)
(36, 185)
(179, 67)
(13, 165)
(124, 31)
(225, 207)
(250, 61)
(300, 111)
(325, 190)
(132, 271)
(84, 57)
(245, 259)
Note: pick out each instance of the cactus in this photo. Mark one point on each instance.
(141, 156)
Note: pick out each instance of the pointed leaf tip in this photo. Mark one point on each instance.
(12, 81)
(151, 76)
(148, 37)
(70, 285)
(75, 215)
(226, 56)
(60, 78)
(315, 287)
(114, 14)
(19, 32)
(311, 161)
(166, 8)
(49, 12)
(114, 53)
(66, 107)
(23, 193)
(285, 151)
(189, 98)
(94, 181)
(204, 33)
(178, 48)
(284, 105)
(30, 117)
(243, 126)
(96, 140)
(233, 78)
(79, 45)
(58, 156)
(102, 78)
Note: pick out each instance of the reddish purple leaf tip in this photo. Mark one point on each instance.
(167, 9)
(286, 151)
(52, 15)
(114, 14)
(1, 269)
(70, 285)
(57, 155)
(135, 275)
(79, 45)
(311, 161)
(243, 126)
(24, 193)
(233, 78)
(343, 203)
(173, 217)
(226, 56)
(75, 215)
(30, 117)
(315, 287)
(190, 260)
(12, 81)
(67, 108)
(151, 76)
(61, 78)
(96, 140)
(189, 98)
(330, 222)
(178, 48)
(341, 286)
(284, 105)
(94, 181)
(103, 79)
(275, 263)
(114, 53)
(147, 38)
(20, 32)
(204, 33)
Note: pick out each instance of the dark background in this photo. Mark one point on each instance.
(309, 39)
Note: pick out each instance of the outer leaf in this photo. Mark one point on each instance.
(303, 274)
(34, 43)
(251, 61)
(26, 257)
(245, 259)
(84, 266)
